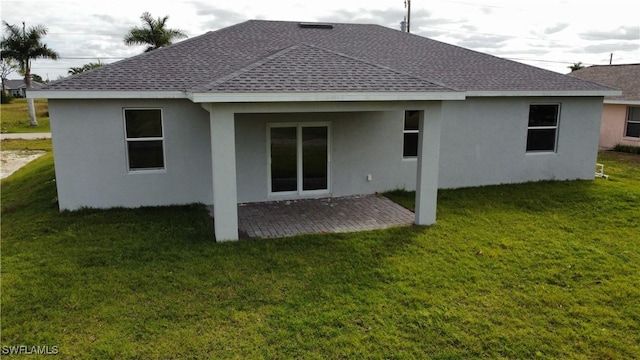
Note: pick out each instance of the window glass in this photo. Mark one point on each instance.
(143, 123)
(543, 127)
(543, 115)
(633, 122)
(143, 128)
(410, 132)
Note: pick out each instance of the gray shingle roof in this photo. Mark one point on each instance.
(278, 56)
(623, 77)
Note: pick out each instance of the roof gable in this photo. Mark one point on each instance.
(307, 68)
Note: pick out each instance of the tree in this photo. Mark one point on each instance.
(576, 66)
(7, 66)
(153, 33)
(24, 45)
(85, 67)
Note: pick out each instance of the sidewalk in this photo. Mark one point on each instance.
(27, 136)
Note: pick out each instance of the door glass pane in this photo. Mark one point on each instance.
(283, 159)
(314, 158)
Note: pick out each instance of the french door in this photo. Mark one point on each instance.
(298, 158)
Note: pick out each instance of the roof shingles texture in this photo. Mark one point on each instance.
(279, 56)
(623, 77)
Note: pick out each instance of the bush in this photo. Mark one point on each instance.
(627, 148)
(6, 98)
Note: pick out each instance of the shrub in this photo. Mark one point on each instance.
(6, 98)
(627, 148)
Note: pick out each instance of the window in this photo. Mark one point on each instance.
(411, 122)
(143, 128)
(633, 122)
(542, 132)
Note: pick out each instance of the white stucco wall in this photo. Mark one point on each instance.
(91, 161)
(483, 143)
(362, 143)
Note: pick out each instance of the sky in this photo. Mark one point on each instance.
(550, 34)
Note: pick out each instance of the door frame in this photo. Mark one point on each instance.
(299, 168)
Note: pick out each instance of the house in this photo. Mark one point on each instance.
(621, 114)
(273, 110)
(18, 88)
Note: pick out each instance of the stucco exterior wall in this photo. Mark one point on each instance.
(612, 130)
(362, 143)
(483, 143)
(91, 162)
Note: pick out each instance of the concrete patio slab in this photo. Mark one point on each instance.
(315, 216)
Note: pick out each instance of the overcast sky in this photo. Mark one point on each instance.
(550, 34)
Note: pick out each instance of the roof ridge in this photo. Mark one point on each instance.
(246, 69)
(286, 50)
(384, 67)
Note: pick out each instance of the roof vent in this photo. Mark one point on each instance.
(315, 26)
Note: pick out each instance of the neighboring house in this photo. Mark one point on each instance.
(270, 110)
(621, 114)
(18, 89)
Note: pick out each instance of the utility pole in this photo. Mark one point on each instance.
(611, 59)
(407, 4)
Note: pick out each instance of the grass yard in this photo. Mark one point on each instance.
(543, 270)
(14, 117)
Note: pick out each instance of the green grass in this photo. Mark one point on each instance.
(14, 117)
(23, 144)
(543, 270)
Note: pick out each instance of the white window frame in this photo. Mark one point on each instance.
(127, 140)
(299, 192)
(410, 131)
(556, 128)
(631, 121)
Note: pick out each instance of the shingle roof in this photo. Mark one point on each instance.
(273, 56)
(624, 77)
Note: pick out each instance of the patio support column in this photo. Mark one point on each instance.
(428, 163)
(223, 161)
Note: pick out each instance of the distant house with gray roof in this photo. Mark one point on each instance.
(18, 88)
(274, 110)
(621, 113)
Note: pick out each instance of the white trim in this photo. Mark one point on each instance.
(299, 192)
(539, 93)
(556, 128)
(127, 139)
(91, 94)
(622, 102)
(324, 96)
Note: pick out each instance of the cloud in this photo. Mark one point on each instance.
(608, 48)
(621, 33)
(216, 17)
(555, 28)
(482, 41)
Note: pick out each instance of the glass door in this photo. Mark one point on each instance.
(299, 159)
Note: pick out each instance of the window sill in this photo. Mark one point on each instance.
(631, 138)
(411, 159)
(146, 171)
(533, 153)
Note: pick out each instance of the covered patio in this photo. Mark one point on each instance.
(320, 216)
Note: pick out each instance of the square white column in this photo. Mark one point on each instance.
(428, 163)
(223, 161)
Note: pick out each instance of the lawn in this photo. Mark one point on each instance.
(542, 270)
(14, 117)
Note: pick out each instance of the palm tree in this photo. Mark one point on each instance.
(23, 45)
(576, 66)
(85, 67)
(153, 33)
